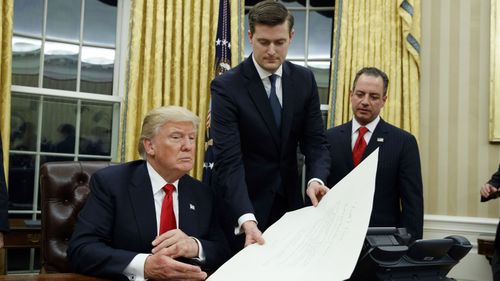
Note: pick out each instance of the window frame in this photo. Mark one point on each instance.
(115, 99)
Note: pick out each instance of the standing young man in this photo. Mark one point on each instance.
(261, 110)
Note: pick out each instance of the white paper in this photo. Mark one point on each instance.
(321, 243)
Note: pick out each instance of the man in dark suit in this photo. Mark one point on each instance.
(4, 199)
(488, 191)
(261, 110)
(142, 216)
(398, 199)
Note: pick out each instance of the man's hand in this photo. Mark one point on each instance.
(252, 233)
(487, 189)
(176, 244)
(160, 266)
(316, 191)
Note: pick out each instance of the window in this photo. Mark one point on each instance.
(311, 47)
(65, 89)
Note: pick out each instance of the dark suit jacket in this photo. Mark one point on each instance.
(4, 196)
(118, 221)
(495, 178)
(253, 160)
(495, 181)
(398, 199)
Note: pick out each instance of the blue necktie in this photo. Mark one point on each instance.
(273, 100)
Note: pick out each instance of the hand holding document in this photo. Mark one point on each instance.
(321, 243)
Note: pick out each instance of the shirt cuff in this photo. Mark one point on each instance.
(316, 180)
(201, 254)
(135, 269)
(244, 218)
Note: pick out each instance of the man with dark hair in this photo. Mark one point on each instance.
(398, 200)
(261, 110)
(141, 217)
(489, 191)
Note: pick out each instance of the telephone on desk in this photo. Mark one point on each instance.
(389, 254)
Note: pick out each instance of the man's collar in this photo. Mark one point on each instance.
(371, 126)
(264, 73)
(157, 182)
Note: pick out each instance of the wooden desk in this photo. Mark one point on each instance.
(486, 246)
(50, 277)
(22, 235)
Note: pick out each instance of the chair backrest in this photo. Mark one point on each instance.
(64, 190)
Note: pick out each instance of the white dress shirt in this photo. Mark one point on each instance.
(135, 269)
(264, 76)
(370, 126)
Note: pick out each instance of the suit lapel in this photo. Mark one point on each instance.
(377, 139)
(187, 207)
(287, 100)
(258, 95)
(346, 135)
(143, 205)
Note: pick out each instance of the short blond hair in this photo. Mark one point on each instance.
(161, 115)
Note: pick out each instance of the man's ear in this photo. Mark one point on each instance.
(250, 36)
(292, 34)
(148, 146)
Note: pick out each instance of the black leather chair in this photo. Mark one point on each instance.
(64, 190)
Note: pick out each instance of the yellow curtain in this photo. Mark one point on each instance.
(5, 76)
(171, 62)
(384, 34)
(238, 31)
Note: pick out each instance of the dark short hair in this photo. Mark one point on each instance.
(269, 13)
(375, 72)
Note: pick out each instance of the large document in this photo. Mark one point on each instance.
(313, 243)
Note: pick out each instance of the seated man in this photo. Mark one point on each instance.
(143, 215)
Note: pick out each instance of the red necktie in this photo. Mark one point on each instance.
(359, 146)
(167, 217)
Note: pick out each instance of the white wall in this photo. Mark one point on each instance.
(473, 267)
